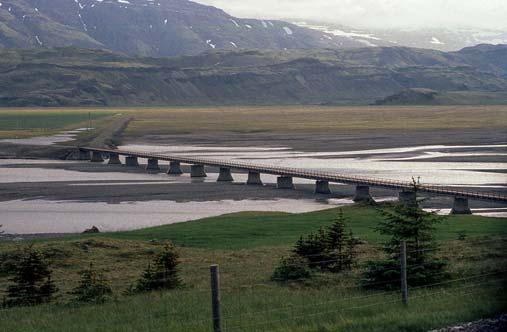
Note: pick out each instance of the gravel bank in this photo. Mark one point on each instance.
(498, 324)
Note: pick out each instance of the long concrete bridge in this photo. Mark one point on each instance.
(407, 195)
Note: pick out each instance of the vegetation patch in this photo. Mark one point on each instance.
(250, 299)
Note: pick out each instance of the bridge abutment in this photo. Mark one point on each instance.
(408, 198)
(114, 159)
(198, 171)
(152, 165)
(285, 182)
(461, 206)
(131, 161)
(174, 168)
(254, 178)
(96, 157)
(322, 187)
(362, 194)
(225, 175)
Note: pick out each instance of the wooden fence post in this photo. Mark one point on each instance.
(403, 264)
(215, 298)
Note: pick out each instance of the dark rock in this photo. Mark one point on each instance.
(94, 229)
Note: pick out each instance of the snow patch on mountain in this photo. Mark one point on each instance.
(210, 44)
(434, 40)
(356, 35)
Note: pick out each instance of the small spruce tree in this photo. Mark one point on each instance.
(331, 249)
(292, 268)
(163, 274)
(340, 245)
(32, 280)
(416, 227)
(93, 287)
(313, 248)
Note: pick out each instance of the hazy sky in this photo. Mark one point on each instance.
(376, 13)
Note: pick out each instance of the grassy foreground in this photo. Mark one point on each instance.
(247, 246)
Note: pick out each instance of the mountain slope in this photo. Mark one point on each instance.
(148, 27)
(441, 39)
(73, 77)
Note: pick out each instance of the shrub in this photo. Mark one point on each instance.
(32, 280)
(93, 287)
(163, 274)
(292, 268)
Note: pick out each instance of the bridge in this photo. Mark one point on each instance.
(407, 195)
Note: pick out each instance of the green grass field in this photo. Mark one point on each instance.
(247, 246)
(20, 123)
(253, 229)
(242, 119)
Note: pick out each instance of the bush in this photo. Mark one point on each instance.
(93, 287)
(163, 274)
(32, 280)
(292, 268)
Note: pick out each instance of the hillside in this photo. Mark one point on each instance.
(71, 77)
(432, 38)
(148, 28)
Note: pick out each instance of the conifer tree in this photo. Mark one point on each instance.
(331, 249)
(163, 274)
(32, 280)
(340, 245)
(416, 227)
(351, 250)
(292, 268)
(93, 287)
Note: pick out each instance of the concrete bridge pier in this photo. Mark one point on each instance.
(461, 206)
(152, 165)
(83, 155)
(225, 175)
(408, 198)
(284, 182)
(362, 194)
(131, 161)
(97, 157)
(174, 168)
(254, 178)
(322, 187)
(114, 159)
(197, 171)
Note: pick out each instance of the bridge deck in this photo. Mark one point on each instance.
(330, 176)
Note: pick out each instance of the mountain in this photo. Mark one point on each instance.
(429, 38)
(74, 77)
(148, 28)
(431, 97)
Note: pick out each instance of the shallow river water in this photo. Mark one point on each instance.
(46, 216)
